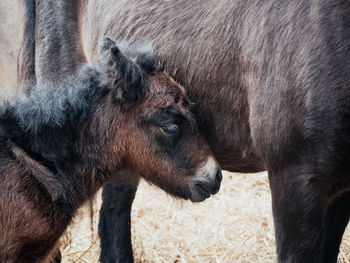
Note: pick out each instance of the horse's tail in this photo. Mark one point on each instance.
(26, 57)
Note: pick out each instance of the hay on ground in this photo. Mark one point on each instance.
(233, 226)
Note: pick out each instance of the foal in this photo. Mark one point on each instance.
(59, 145)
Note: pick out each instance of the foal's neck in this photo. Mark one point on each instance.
(48, 127)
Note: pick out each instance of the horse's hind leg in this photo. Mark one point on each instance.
(335, 223)
(114, 225)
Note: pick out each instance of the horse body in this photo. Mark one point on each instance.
(269, 80)
(193, 56)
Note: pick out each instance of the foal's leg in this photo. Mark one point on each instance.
(114, 225)
(335, 223)
(299, 206)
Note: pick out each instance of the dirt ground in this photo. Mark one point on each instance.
(233, 226)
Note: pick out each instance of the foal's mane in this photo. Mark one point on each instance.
(53, 104)
(49, 119)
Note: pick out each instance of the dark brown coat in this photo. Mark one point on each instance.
(270, 82)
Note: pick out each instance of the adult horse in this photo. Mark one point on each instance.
(270, 81)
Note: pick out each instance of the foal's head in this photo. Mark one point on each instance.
(153, 129)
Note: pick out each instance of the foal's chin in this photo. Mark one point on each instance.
(201, 190)
(202, 187)
(191, 194)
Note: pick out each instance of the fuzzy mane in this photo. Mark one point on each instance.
(48, 119)
(143, 55)
(53, 104)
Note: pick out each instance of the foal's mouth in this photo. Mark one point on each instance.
(201, 190)
(206, 182)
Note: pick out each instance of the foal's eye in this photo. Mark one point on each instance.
(170, 128)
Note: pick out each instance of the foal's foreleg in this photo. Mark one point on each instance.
(114, 224)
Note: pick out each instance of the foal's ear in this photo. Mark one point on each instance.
(125, 76)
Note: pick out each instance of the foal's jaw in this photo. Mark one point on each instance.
(206, 181)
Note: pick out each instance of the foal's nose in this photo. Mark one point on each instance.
(217, 180)
(207, 181)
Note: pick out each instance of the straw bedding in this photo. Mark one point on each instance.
(235, 225)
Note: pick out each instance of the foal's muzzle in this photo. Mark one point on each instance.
(206, 182)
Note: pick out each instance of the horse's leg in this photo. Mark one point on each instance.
(58, 49)
(299, 203)
(26, 57)
(114, 225)
(57, 257)
(335, 223)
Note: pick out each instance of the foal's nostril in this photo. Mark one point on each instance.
(218, 176)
